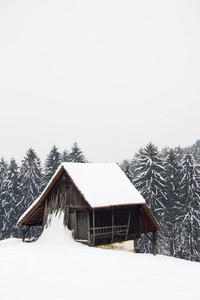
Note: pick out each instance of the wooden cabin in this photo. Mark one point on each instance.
(100, 204)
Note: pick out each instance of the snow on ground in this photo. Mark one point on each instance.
(56, 267)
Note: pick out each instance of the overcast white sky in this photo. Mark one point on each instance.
(111, 75)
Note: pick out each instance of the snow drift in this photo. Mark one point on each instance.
(56, 233)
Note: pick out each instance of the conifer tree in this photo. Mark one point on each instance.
(76, 154)
(65, 157)
(13, 198)
(173, 207)
(190, 197)
(179, 152)
(4, 205)
(151, 184)
(30, 184)
(195, 151)
(52, 162)
(150, 179)
(30, 180)
(127, 168)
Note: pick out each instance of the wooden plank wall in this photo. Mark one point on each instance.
(66, 188)
(82, 225)
(66, 196)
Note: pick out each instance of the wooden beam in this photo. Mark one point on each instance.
(153, 240)
(88, 222)
(93, 219)
(75, 223)
(112, 225)
(140, 212)
(78, 207)
(24, 232)
(151, 216)
(129, 217)
(135, 242)
(154, 243)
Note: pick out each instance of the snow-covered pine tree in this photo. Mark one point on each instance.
(30, 184)
(179, 152)
(150, 179)
(195, 150)
(13, 197)
(76, 154)
(4, 204)
(52, 162)
(65, 157)
(190, 197)
(127, 168)
(173, 206)
(30, 180)
(151, 184)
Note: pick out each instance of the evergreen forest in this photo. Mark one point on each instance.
(169, 181)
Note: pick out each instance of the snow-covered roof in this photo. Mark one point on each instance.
(101, 184)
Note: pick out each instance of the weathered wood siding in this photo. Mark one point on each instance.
(82, 225)
(66, 196)
(65, 188)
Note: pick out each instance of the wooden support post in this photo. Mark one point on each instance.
(67, 216)
(88, 222)
(129, 217)
(75, 222)
(140, 218)
(93, 228)
(112, 226)
(154, 243)
(135, 242)
(23, 233)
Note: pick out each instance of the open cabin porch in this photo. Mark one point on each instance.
(114, 224)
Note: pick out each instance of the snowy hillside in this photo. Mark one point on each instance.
(57, 267)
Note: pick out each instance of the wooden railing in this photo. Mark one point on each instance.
(108, 231)
(120, 229)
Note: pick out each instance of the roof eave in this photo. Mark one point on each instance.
(151, 216)
(41, 198)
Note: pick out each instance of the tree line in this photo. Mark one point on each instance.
(169, 181)
(21, 185)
